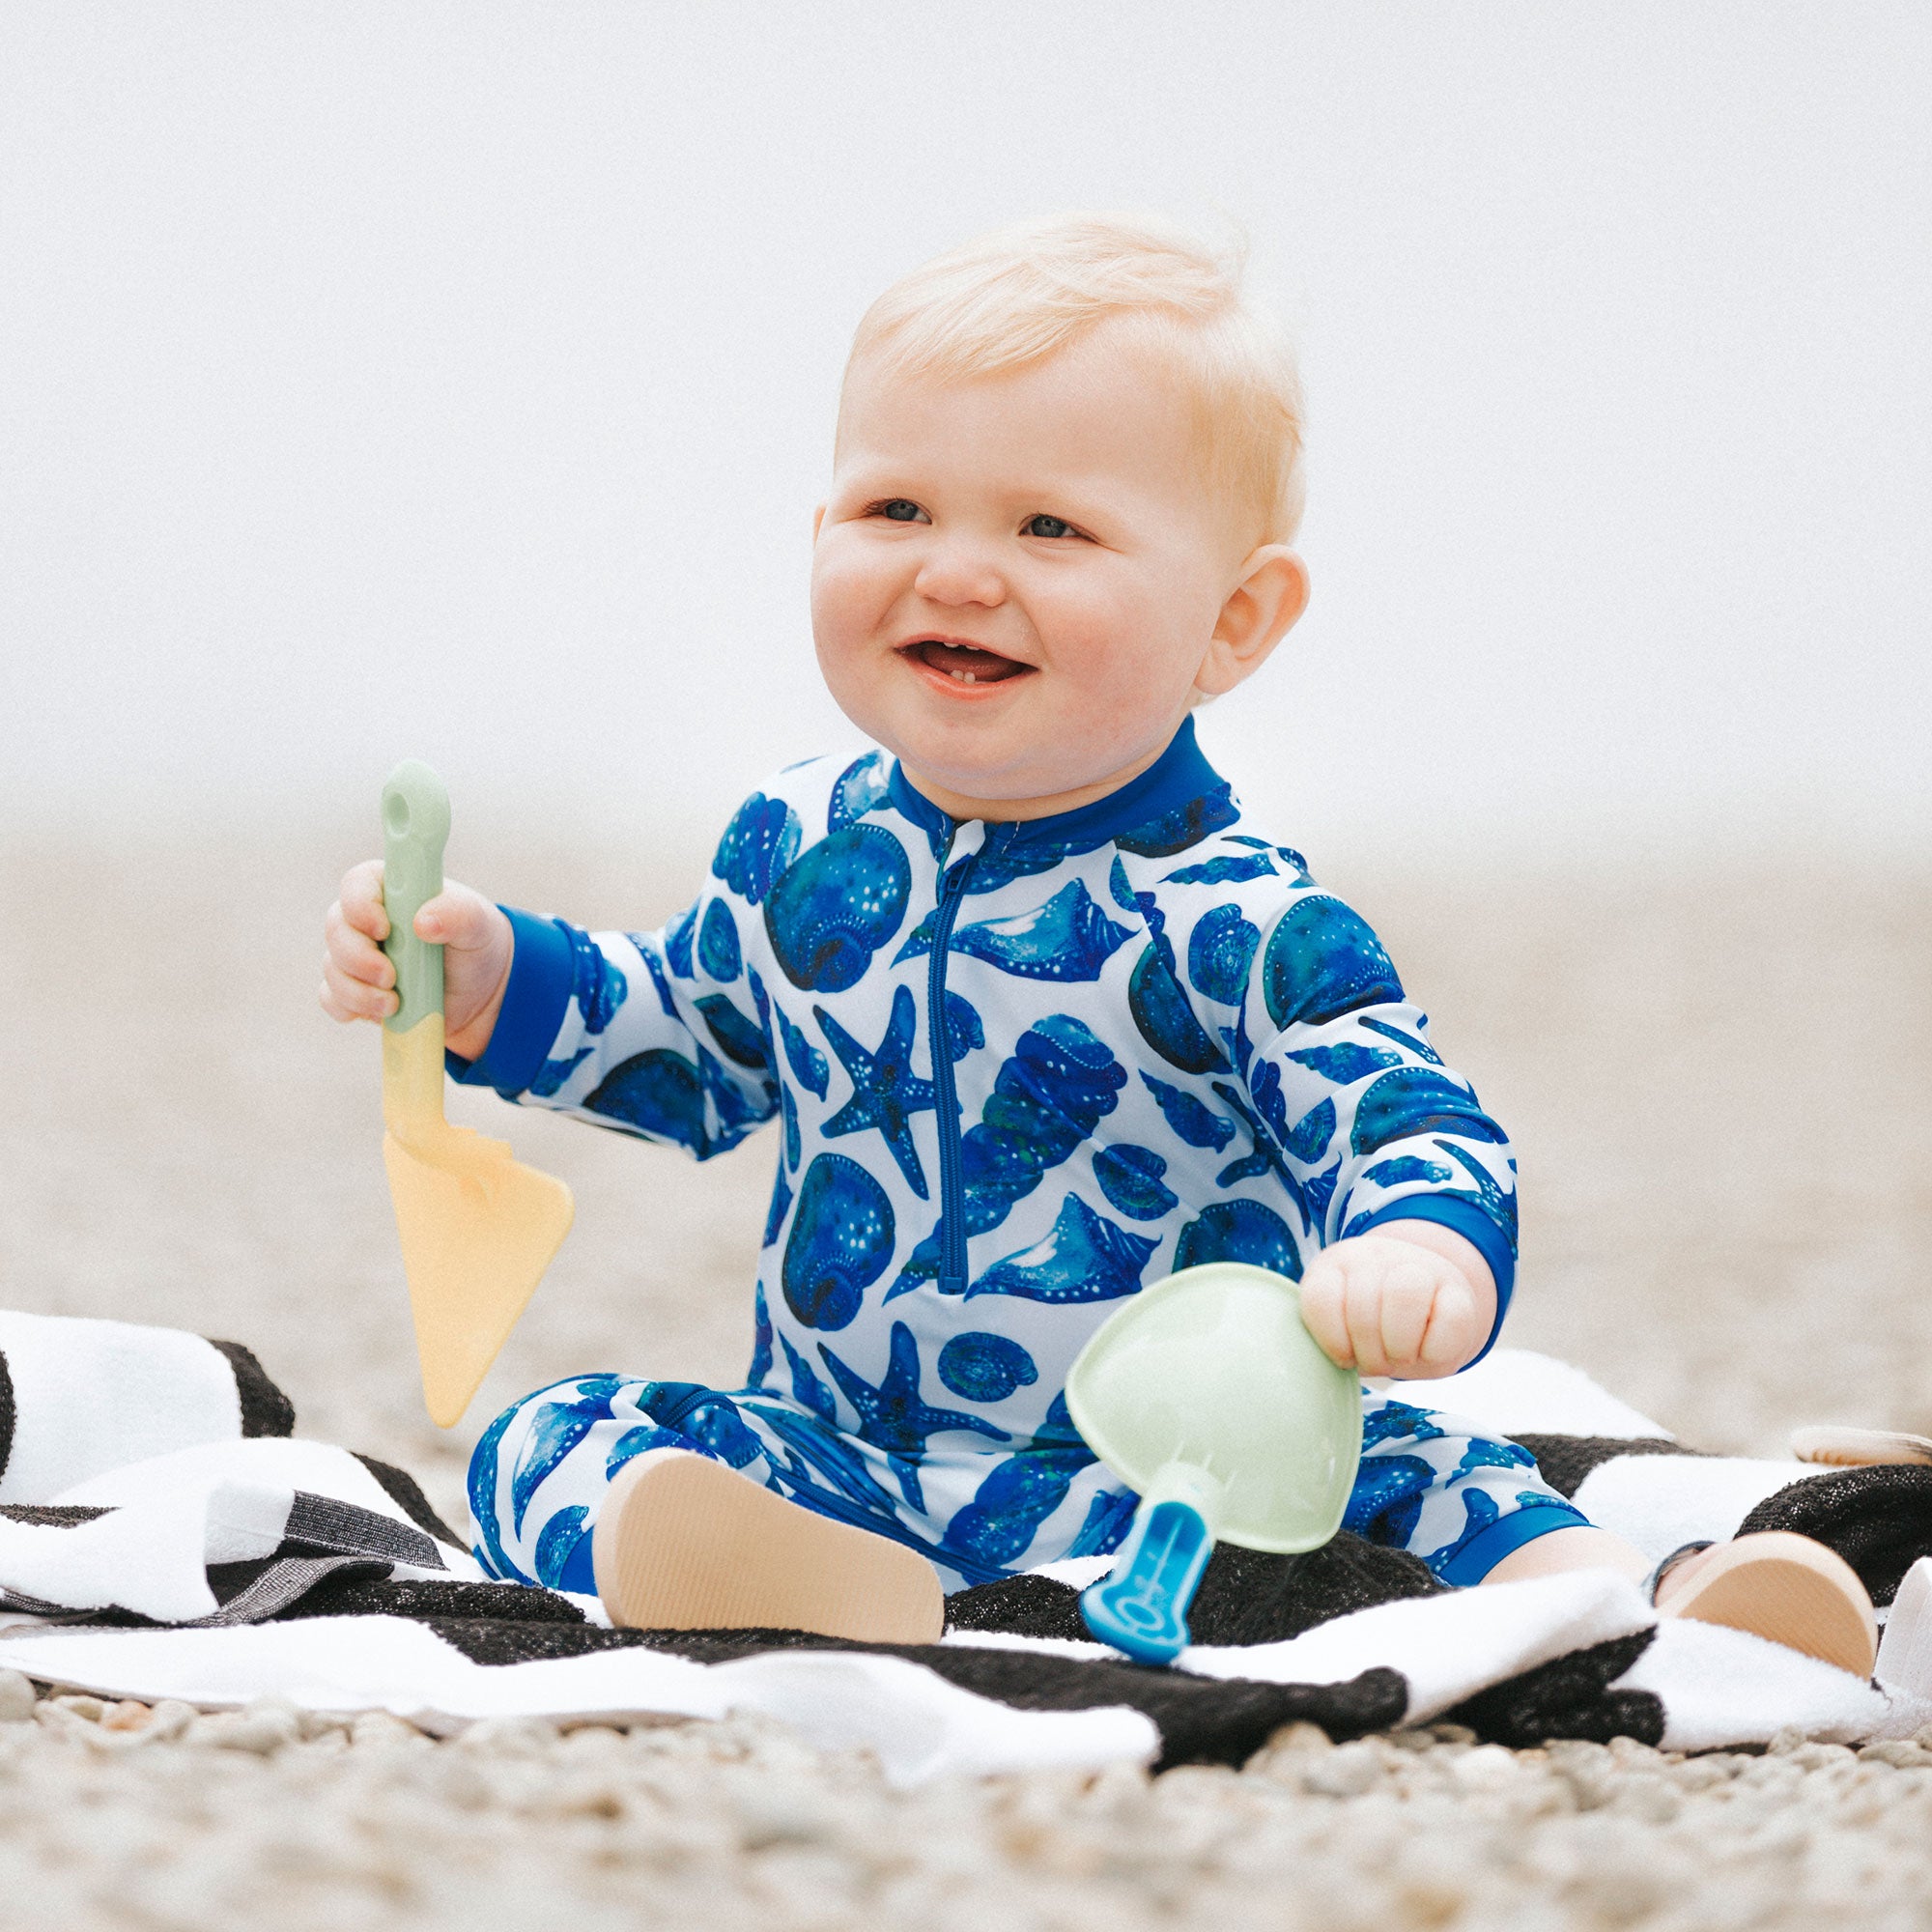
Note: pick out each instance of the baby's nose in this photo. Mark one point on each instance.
(961, 573)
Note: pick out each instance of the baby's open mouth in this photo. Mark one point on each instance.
(963, 664)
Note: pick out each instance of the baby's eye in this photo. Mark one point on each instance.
(1049, 526)
(898, 510)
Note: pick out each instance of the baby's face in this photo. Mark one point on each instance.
(1017, 577)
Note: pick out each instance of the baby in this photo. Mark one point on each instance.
(1041, 1014)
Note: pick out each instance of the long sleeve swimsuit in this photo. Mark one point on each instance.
(1021, 1070)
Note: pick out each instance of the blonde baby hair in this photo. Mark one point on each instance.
(1022, 293)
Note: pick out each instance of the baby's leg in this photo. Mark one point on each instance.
(539, 1475)
(1476, 1510)
(637, 1491)
(1464, 1501)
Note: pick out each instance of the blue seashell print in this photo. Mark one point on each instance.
(1198, 1124)
(552, 1073)
(480, 1483)
(1317, 1191)
(1130, 1177)
(1172, 832)
(965, 1031)
(1059, 1084)
(713, 1424)
(1165, 1019)
(1018, 1495)
(739, 1039)
(865, 783)
(655, 1092)
(1499, 1207)
(1413, 1042)
(634, 1442)
(760, 842)
(598, 986)
(558, 1427)
(1417, 1100)
(1399, 1422)
(677, 941)
(1482, 1454)
(1084, 1257)
(1322, 962)
(985, 1368)
(840, 901)
(736, 1110)
(1309, 1137)
(807, 1390)
(886, 1092)
(817, 1448)
(718, 943)
(1348, 1063)
(1069, 938)
(780, 1207)
(1109, 1516)
(1024, 853)
(841, 1238)
(1220, 949)
(556, 1544)
(1120, 889)
(1406, 1167)
(892, 1415)
(1239, 1230)
(918, 941)
(1387, 1498)
(1227, 870)
(788, 1113)
(761, 1337)
(647, 949)
(808, 1065)
(1270, 1098)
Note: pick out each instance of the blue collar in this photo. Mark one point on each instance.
(1180, 776)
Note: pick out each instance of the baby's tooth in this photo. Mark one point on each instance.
(969, 678)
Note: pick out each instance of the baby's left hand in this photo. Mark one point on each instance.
(1408, 1305)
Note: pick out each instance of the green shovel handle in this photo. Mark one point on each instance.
(416, 827)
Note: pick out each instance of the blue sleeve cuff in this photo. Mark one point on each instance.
(1469, 1221)
(1488, 1548)
(541, 972)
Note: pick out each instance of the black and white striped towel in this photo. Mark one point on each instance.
(163, 1534)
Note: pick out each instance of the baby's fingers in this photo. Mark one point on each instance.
(1323, 1311)
(1454, 1329)
(362, 902)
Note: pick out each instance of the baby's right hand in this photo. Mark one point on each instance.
(359, 983)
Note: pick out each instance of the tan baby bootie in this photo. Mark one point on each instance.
(1777, 1585)
(684, 1542)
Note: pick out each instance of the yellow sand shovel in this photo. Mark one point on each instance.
(477, 1228)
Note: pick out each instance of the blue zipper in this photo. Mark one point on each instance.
(946, 1097)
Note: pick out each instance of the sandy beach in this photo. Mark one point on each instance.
(1720, 1079)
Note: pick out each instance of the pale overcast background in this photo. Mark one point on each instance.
(457, 381)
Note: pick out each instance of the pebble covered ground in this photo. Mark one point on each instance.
(119, 1815)
(1721, 1082)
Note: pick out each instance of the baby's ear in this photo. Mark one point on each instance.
(1260, 612)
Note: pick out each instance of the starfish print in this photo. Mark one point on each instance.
(892, 1416)
(886, 1092)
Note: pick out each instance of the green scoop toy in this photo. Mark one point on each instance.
(1208, 1397)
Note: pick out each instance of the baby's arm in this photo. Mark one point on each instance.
(358, 982)
(659, 1035)
(1403, 1179)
